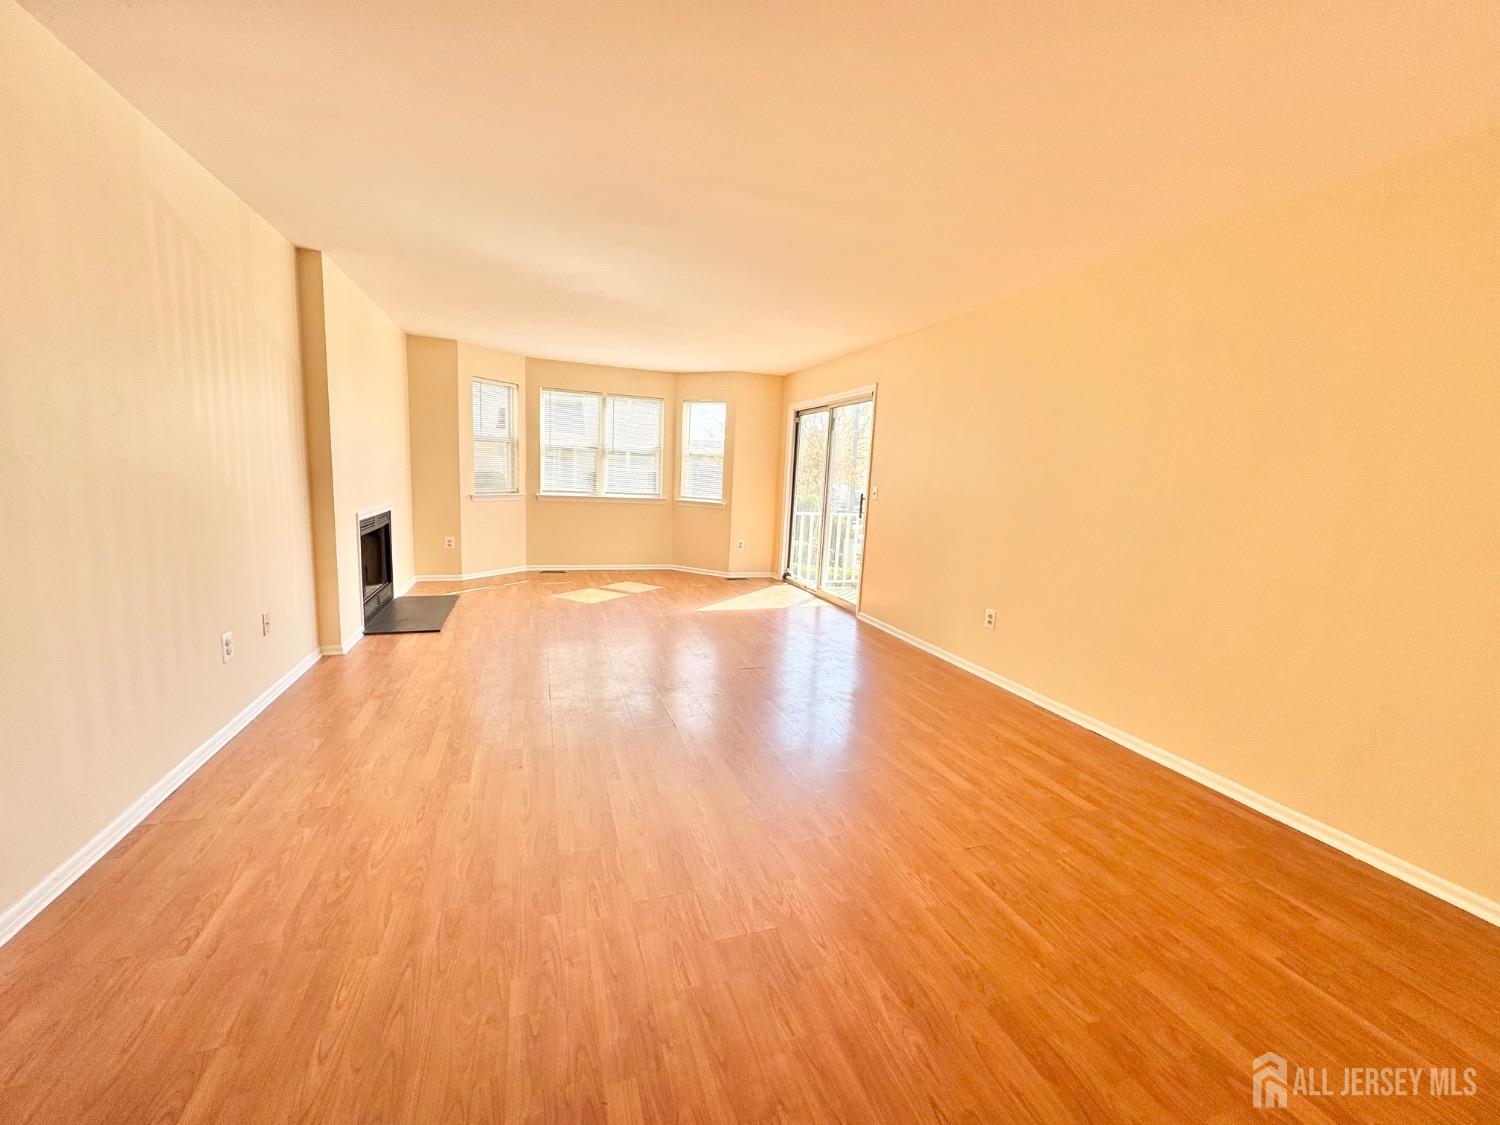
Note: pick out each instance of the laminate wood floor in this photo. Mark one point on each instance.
(628, 862)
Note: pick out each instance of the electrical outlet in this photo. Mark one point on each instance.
(448, 542)
(226, 647)
(742, 544)
(989, 619)
(265, 624)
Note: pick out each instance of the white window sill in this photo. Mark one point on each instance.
(701, 503)
(485, 497)
(574, 498)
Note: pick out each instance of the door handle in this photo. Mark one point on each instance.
(861, 505)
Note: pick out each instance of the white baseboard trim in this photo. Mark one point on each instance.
(601, 566)
(1424, 880)
(343, 647)
(469, 577)
(34, 901)
(724, 573)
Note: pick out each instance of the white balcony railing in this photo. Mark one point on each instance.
(802, 559)
(846, 535)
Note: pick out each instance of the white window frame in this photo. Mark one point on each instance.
(683, 452)
(512, 439)
(603, 450)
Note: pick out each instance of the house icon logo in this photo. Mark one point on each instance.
(1268, 1081)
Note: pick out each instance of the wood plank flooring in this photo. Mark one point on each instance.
(630, 862)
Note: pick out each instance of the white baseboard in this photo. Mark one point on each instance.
(343, 647)
(1424, 880)
(601, 566)
(469, 577)
(34, 901)
(724, 573)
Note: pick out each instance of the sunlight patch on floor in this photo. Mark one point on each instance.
(630, 587)
(589, 595)
(770, 597)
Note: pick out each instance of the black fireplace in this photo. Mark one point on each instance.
(375, 563)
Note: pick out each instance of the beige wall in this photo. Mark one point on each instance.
(372, 465)
(700, 532)
(153, 483)
(433, 406)
(587, 532)
(319, 430)
(489, 533)
(1236, 495)
(758, 423)
(708, 537)
(499, 534)
(494, 528)
(355, 360)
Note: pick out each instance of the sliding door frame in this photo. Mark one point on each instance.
(789, 468)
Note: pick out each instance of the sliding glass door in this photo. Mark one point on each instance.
(830, 480)
(809, 481)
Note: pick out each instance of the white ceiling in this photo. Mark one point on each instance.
(761, 184)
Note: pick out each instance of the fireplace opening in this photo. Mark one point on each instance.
(375, 563)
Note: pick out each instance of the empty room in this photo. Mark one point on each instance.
(790, 561)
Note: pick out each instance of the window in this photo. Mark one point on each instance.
(494, 438)
(632, 446)
(600, 445)
(570, 443)
(703, 425)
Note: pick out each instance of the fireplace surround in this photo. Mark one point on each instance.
(376, 567)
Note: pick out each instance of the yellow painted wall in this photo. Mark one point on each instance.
(707, 537)
(585, 532)
(700, 532)
(758, 423)
(372, 467)
(355, 355)
(1237, 495)
(494, 528)
(433, 407)
(489, 533)
(318, 415)
(153, 481)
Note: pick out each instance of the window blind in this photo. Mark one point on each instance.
(600, 445)
(703, 427)
(632, 446)
(570, 443)
(494, 407)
